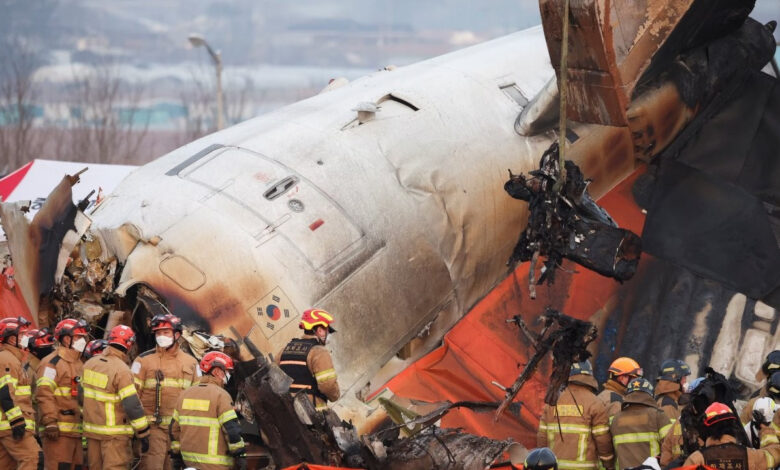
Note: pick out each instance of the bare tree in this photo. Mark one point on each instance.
(18, 142)
(200, 101)
(107, 124)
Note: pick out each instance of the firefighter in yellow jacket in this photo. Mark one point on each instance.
(308, 362)
(18, 447)
(621, 371)
(721, 449)
(205, 432)
(112, 411)
(669, 386)
(59, 414)
(638, 429)
(161, 375)
(577, 428)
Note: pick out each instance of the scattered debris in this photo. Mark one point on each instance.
(566, 337)
(565, 222)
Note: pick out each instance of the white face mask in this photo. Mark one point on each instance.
(79, 344)
(24, 341)
(164, 341)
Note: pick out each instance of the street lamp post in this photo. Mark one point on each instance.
(197, 40)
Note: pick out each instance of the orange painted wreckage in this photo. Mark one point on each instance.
(241, 231)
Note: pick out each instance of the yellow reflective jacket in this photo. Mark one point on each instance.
(637, 431)
(577, 428)
(15, 390)
(205, 429)
(111, 405)
(178, 369)
(58, 377)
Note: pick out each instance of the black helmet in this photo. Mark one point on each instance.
(583, 368)
(773, 386)
(673, 370)
(639, 384)
(541, 459)
(771, 363)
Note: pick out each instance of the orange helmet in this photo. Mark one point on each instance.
(625, 366)
(216, 359)
(122, 335)
(717, 412)
(316, 317)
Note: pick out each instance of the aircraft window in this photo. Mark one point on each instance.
(513, 92)
(280, 188)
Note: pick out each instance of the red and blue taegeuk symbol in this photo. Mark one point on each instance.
(273, 312)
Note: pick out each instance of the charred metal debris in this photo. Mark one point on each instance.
(566, 338)
(567, 223)
(295, 432)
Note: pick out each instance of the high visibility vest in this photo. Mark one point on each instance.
(293, 363)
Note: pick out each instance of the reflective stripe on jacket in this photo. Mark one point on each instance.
(15, 391)
(179, 370)
(111, 404)
(637, 431)
(205, 426)
(56, 391)
(577, 428)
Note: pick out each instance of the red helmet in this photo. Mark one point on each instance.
(216, 359)
(70, 327)
(161, 322)
(316, 317)
(12, 327)
(40, 338)
(122, 335)
(717, 412)
(95, 347)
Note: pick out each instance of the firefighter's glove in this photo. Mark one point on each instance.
(759, 419)
(177, 462)
(17, 429)
(51, 432)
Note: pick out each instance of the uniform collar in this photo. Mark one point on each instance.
(584, 380)
(667, 387)
(18, 353)
(312, 337)
(724, 439)
(640, 398)
(112, 351)
(210, 379)
(69, 354)
(615, 386)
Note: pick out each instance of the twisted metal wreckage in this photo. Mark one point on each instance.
(237, 231)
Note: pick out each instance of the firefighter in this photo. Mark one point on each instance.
(672, 445)
(59, 415)
(639, 427)
(720, 427)
(161, 374)
(94, 347)
(112, 411)
(205, 432)
(577, 428)
(770, 366)
(308, 362)
(18, 447)
(621, 371)
(541, 459)
(669, 386)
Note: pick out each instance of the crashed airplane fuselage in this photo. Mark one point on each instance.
(393, 218)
